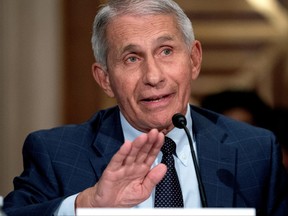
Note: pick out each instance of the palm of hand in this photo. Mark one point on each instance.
(128, 179)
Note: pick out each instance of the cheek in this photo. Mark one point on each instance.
(185, 88)
(185, 83)
(123, 88)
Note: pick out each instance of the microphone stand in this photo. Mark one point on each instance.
(179, 121)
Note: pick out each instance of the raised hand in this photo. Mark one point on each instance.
(128, 179)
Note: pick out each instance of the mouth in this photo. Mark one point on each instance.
(157, 101)
(155, 98)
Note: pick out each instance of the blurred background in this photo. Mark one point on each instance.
(46, 58)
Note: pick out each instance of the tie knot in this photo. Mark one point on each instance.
(169, 147)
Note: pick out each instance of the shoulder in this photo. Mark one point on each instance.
(79, 135)
(208, 120)
(251, 143)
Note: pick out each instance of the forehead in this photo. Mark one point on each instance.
(127, 28)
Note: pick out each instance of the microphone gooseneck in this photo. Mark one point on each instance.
(180, 122)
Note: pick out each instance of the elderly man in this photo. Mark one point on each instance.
(147, 58)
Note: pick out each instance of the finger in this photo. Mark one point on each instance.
(145, 150)
(154, 151)
(136, 147)
(154, 176)
(118, 159)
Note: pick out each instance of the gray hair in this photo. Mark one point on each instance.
(115, 8)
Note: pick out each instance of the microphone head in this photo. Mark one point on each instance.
(179, 120)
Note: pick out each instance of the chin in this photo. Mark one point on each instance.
(160, 122)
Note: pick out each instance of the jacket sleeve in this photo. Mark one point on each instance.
(36, 191)
(278, 189)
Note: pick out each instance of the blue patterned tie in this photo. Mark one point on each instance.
(168, 192)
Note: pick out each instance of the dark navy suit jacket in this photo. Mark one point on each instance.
(240, 164)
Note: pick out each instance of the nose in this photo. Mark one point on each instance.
(153, 74)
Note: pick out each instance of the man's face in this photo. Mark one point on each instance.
(150, 70)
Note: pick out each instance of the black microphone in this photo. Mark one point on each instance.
(180, 121)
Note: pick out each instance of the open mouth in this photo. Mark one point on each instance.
(155, 99)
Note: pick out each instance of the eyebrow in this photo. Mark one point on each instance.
(134, 47)
(128, 48)
(165, 38)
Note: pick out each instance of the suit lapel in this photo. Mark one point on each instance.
(108, 140)
(217, 160)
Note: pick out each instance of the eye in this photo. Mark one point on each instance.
(167, 52)
(131, 59)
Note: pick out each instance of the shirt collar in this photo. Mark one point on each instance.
(178, 135)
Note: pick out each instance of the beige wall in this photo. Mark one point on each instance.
(30, 85)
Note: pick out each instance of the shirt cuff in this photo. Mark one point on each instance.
(67, 207)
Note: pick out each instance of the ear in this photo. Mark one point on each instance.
(196, 58)
(101, 76)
